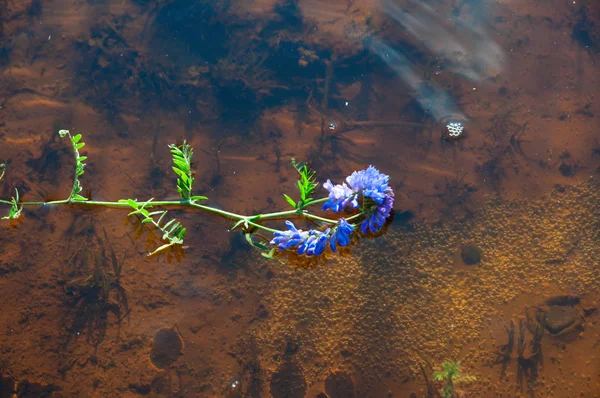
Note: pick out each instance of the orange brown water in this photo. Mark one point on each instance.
(522, 186)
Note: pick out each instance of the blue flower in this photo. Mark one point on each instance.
(315, 244)
(371, 183)
(286, 239)
(340, 196)
(379, 214)
(341, 234)
(311, 243)
(377, 204)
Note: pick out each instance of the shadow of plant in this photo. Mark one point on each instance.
(95, 294)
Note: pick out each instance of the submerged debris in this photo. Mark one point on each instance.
(288, 381)
(470, 254)
(167, 347)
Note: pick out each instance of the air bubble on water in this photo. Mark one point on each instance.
(453, 127)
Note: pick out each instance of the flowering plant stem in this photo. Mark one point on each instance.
(308, 242)
(184, 203)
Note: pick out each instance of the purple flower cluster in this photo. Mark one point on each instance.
(312, 242)
(340, 197)
(373, 186)
(377, 203)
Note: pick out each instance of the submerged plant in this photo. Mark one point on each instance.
(15, 210)
(451, 377)
(96, 292)
(365, 193)
(79, 165)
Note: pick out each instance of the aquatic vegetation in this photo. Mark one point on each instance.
(367, 194)
(15, 210)
(450, 375)
(96, 292)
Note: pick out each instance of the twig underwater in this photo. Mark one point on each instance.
(365, 195)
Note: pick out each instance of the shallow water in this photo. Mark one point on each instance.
(495, 236)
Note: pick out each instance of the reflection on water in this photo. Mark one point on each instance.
(463, 45)
(492, 257)
(461, 40)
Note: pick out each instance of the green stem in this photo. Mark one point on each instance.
(314, 202)
(277, 215)
(54, 202)
(219, 212)
(263, 227)
(354, 217)
(313, 217)
(223, 213)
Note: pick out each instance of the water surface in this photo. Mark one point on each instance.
(495, 236)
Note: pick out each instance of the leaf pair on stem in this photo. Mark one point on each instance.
(173, 232)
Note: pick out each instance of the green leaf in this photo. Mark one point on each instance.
(182, 160)
(161, 217)
(147, 220)
(173, 228)
(290, 201)
(237, 224)
(164, 227)
(181, 164)
(180, 173)
(258, 245)
(76, 139)
(270, 254)
(79, 146)
(161, 248)
(261, 245)
(306, 183)
(79, 197)
(15, 210)
(146, 203)
(183, 185)
(199, 198)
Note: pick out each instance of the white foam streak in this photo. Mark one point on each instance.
(429, 95)
(465, 44)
